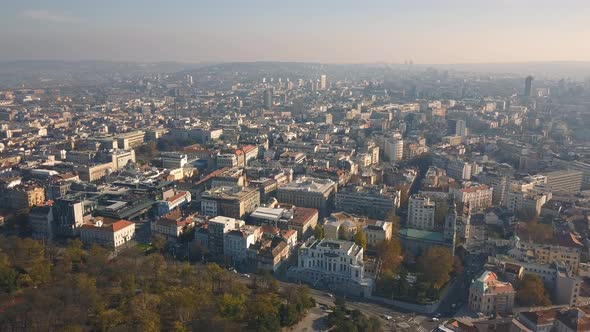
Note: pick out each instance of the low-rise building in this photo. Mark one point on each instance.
(180, 199)
(334, 264)
(489, 295)
(286, 216)
(109, 235)
(377, 231)
(173, 224)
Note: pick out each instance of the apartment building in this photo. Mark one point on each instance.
(217, 228)
(421, 210)
(237, 241)
(478, 197)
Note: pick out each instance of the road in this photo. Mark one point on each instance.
(416, 322)
(421, 323)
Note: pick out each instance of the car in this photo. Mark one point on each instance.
(434, 319)
(246, 275)
(387, 317)
(330, 295)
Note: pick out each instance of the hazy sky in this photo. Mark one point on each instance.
(427, 31)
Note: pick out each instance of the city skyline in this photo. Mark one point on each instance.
(426, 31)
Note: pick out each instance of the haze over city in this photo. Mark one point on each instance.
(329, 31)
(301, 166)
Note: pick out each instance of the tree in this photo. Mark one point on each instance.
(531, 291)
(159, 242)
(390, 253)
(539, 232)
(264, 312)
(8, 275)
(457, 265)
(319, 232)
(360, 238)
(434, 266)
(440, 212)
(394, 220)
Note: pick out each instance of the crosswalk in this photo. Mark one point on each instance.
(421, 329)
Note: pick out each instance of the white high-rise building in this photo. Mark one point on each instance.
(394, 147)
(323, 82)
(421, 212)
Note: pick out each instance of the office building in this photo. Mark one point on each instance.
(373, 202)
(130, 140)
(173, 160)
(323, 82)
(234, 202)
(309, 192)
(461, 128)
(566, 181)
(68, 213)
(528, 86)
(268, 98)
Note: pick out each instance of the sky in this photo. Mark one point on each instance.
(328, 31)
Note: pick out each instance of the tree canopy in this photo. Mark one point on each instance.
(531, 291)
(434, 266)
(360, 238)
(80, 289)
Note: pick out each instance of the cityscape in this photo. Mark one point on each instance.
(291, 194)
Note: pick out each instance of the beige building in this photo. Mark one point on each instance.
(546, 254)
(25, 196)
(111, 236)
(130, 140)
(489, 296)
(309, 192)
(234, 202)
(93, 173)
(479, 197)
(173, 224)
(377, 231)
